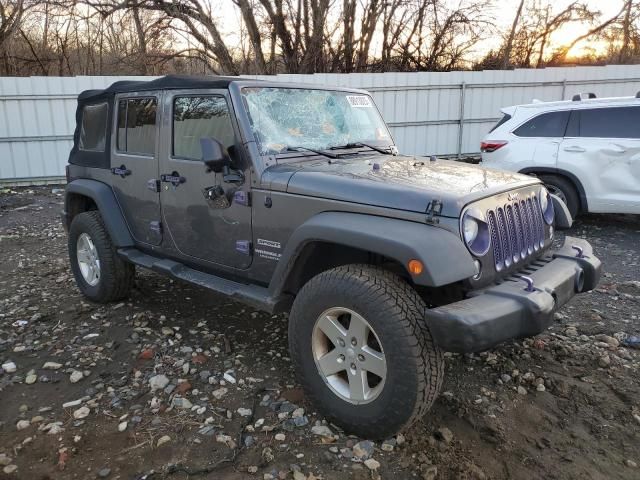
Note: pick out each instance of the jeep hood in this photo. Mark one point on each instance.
(400, 182)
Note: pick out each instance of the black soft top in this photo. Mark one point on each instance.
(168, 82)
(101, 158)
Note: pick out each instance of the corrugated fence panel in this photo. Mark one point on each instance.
(423, 109)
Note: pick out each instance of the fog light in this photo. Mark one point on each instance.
(415, 267)
(478, 268)
(551, 233)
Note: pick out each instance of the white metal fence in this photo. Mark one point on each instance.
(428, 112)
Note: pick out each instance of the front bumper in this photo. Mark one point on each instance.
(509, 310)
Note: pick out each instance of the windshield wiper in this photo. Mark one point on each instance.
(384, 151)
(318, 152)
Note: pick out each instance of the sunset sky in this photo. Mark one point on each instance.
(506, 9)
(503, 13)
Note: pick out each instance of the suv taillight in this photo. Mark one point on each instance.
(492, 146)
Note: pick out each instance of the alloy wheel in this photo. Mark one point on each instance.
(349, 355)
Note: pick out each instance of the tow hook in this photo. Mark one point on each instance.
(578, 250)
(529, 282)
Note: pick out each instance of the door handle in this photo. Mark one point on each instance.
(615, 148)
(121, 170)
(574, 148)
(174, 178)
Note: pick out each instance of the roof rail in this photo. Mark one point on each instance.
(578, 96)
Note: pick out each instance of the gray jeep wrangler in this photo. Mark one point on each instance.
(291, 197)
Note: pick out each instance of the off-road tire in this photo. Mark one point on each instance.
(568, 190)
(415, 366)
(116, 275)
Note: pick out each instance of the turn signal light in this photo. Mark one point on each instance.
(415, 267)
(492, 146)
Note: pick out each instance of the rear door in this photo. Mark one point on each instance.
(134, 162)
(201, 229)
(539, 138)
(602, 149)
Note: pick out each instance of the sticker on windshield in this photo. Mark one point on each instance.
(359, 101)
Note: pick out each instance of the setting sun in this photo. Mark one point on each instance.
(567, 34)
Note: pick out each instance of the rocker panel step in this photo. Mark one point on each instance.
(253, 295)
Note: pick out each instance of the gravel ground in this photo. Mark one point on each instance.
(180, 383)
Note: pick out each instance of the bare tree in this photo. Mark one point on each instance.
(72, 37)
(11, 12)
(509, 43)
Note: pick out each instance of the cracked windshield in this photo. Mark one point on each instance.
(288, 118)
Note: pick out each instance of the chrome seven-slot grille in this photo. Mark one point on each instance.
(517, 231)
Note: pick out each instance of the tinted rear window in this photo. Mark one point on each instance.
(552, 124)
(618, 122)
(504, 119)
(137, 126)
(93, 130)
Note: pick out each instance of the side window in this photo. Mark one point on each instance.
(137, 126)
(506, 117)
(573, 127)
(617, 122)
(93, 130)
(552, 124)
(200, 117)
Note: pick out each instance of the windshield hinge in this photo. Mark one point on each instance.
(434, 208)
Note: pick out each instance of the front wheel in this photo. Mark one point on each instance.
(564, 190)
(362, 350)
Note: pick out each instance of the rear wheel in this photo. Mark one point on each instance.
(101, 275)
(362, 350)
(565, 190)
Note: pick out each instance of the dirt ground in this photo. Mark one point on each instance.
(565, 404)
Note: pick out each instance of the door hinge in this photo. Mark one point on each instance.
(242, 198)
(153, 184)
(156, 226)
(243, 246)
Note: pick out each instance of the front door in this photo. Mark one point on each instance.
(206, 227)
(134, 164)
(603, 147)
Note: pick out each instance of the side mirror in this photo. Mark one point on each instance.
(214, 155)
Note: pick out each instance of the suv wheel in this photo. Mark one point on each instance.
(564, 190)
(101, 275)
(362, 350)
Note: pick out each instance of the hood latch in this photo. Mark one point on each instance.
(434, 208)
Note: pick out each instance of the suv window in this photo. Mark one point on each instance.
(137, 126)
(200, 117)
(93, 130)
(617, 122)
(552, 124)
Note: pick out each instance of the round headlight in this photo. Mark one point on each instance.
(469, 229)
(475, 232)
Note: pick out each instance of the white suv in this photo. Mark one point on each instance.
(586, 150)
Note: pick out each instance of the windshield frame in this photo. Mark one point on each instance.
(286, 156)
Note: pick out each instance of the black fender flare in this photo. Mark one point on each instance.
(443, 254)
(584, 204)
(107, 205)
